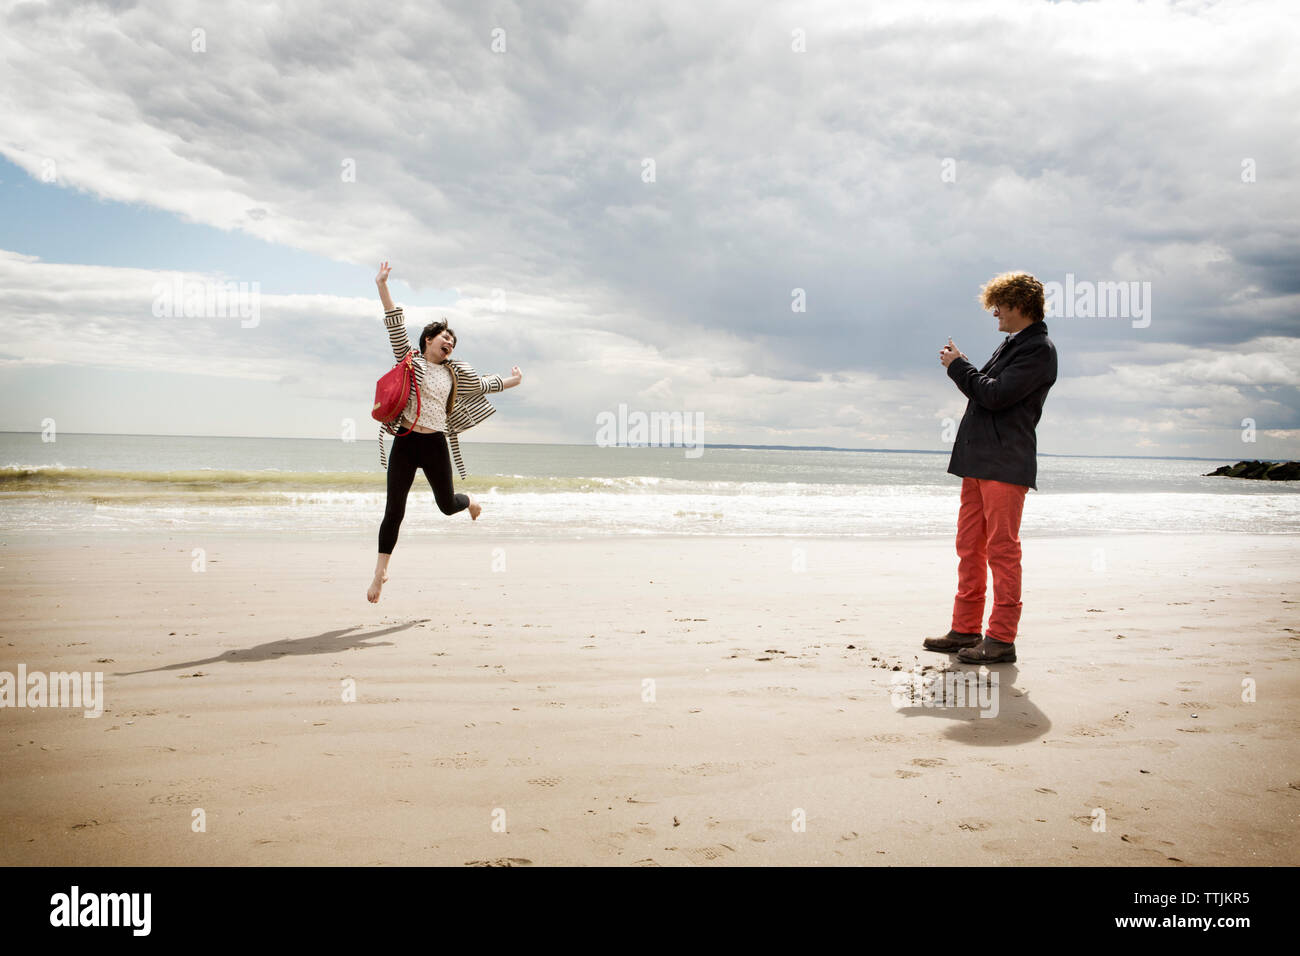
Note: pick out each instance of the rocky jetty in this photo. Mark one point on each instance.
(1267, 470)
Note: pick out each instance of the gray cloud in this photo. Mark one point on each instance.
(1102, 141)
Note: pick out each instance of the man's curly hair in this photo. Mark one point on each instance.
(1014, 290)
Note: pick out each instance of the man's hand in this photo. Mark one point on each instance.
(514, 378)
(382, 278)
(950, 352)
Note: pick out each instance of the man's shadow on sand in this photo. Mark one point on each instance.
(1016, 720)
(327, 642)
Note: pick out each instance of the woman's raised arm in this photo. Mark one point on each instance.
(394, 321)
(381, 280)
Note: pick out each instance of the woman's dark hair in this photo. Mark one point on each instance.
(432, 331)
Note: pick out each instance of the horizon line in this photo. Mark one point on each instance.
(756, 447)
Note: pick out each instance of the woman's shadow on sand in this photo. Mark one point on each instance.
(327, 642)
(1016, 719)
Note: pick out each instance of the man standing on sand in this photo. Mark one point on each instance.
(996, 457)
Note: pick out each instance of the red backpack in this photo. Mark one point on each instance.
(392, 393)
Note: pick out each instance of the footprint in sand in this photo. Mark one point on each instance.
(973, 824)
(763, 836)
(545, 781)
(905, 774)
(929, 762)
(1087, 732)
(501, 861)
(459, 762)
(176, 799)
(701, 856)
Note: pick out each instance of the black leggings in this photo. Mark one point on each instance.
(427, 450)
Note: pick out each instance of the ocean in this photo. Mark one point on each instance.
(116, 483)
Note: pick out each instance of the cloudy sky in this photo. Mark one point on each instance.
(624, 199)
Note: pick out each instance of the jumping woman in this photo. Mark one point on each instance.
(451, 401)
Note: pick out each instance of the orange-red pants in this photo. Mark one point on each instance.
(988, 538)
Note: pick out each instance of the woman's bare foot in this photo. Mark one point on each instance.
(377, 585)
(475, 509)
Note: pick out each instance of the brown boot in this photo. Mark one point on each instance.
(989, 652)
(952, 641)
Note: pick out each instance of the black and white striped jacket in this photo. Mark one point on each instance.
(466, 405)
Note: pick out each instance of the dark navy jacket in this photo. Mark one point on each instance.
(996, 438)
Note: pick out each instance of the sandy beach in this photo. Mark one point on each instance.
(652, 701)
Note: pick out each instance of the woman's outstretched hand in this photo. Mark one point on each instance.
(382, 278)
(514, 378)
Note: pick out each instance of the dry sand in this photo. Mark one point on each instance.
(517, 696)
